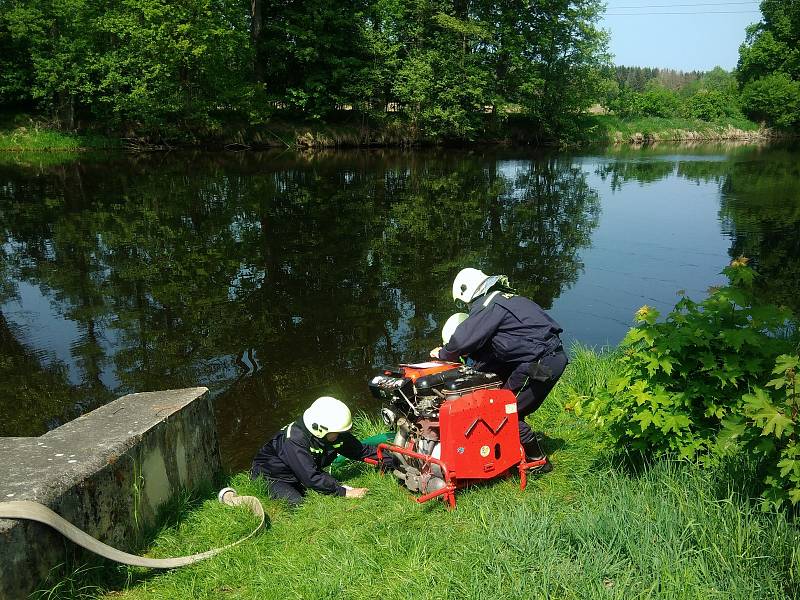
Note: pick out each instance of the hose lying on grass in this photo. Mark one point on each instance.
(33, 511)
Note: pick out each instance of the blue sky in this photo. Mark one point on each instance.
(707, 37)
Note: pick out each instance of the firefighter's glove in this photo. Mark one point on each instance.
(355, 492)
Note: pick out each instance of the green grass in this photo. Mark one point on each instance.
(593, 528)
(21, 133)
(610, 128)
(41, 140)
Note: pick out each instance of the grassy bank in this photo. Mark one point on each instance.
(590, 529)
(20, 133)
(23, 133)
(609, 129)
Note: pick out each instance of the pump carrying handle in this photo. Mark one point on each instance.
(33, 511)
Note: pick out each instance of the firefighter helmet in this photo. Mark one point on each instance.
(327, 415)
(467, 283)
(451, 324)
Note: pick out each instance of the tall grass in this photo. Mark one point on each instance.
(587, 530)
(22, 132)
(36, 140)
(615, 129)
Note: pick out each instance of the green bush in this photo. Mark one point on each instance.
(774, 98)
(703, 371)
(711, 105)
(654, 102)
(769, 428)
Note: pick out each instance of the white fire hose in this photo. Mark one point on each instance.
(33, 511)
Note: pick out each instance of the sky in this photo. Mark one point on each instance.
(687, 35)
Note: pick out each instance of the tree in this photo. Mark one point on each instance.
(16, 67)
(769, 65)
(774, 98)
(163, 66)
(557, 66)
(313, 54)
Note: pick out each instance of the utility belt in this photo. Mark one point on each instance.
(540, 372)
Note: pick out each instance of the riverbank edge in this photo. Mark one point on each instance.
(595, 130)
(600, 507)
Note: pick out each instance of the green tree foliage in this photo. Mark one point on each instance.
(16, 67)
(638, 78)
(641, 92)
(443, 79)
(560, 62)
(315, 55)
(774, 98)
(710, 105)
(713, 96)
(449, 67)
(655, 101)
(769, 65)
(703, 371)
(183, 64)
(154, 64)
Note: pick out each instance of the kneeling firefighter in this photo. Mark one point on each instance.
(509, 335)
(292, 462)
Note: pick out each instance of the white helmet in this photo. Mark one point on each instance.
(451, 324)
(467, 283)
(327, 415)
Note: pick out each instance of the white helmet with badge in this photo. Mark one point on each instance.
(327, 415)
(467, 283)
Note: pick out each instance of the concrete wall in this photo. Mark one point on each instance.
(107, 472)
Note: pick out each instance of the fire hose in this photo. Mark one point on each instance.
(33, 511)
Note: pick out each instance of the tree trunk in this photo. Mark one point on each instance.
(255, 36)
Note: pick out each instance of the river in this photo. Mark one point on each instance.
(274, 278)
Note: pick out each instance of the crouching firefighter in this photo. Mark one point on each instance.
(509, 335)
(292, 462)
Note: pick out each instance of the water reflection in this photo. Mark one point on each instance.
(270, 278)
(759, 191)
(760, 207)
(275, 278)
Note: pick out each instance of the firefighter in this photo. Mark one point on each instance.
(509, 335)
(293, 461)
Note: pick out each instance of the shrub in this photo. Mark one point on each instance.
(654, 102)
(774, 99)
(769, 428)
(706, 370)
(710, 105)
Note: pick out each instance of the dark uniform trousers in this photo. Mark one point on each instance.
(293, 493)
(531, 392)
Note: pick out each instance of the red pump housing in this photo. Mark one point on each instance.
(455, 427)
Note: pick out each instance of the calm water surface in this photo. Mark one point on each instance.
(274, 278)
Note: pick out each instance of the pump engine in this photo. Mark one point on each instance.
(453, 426)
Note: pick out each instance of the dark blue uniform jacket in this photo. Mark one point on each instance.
(509, 330)
(295, 456)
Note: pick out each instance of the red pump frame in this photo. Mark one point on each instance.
(453, 483)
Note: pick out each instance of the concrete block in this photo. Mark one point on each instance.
(107, 472)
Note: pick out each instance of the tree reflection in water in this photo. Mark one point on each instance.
(269, 278)
(759, 203)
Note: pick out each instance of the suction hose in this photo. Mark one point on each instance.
(33, 511)
(380, 438)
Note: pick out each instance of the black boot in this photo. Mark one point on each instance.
(533, 452)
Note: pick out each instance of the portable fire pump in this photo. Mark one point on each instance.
(453, 427)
